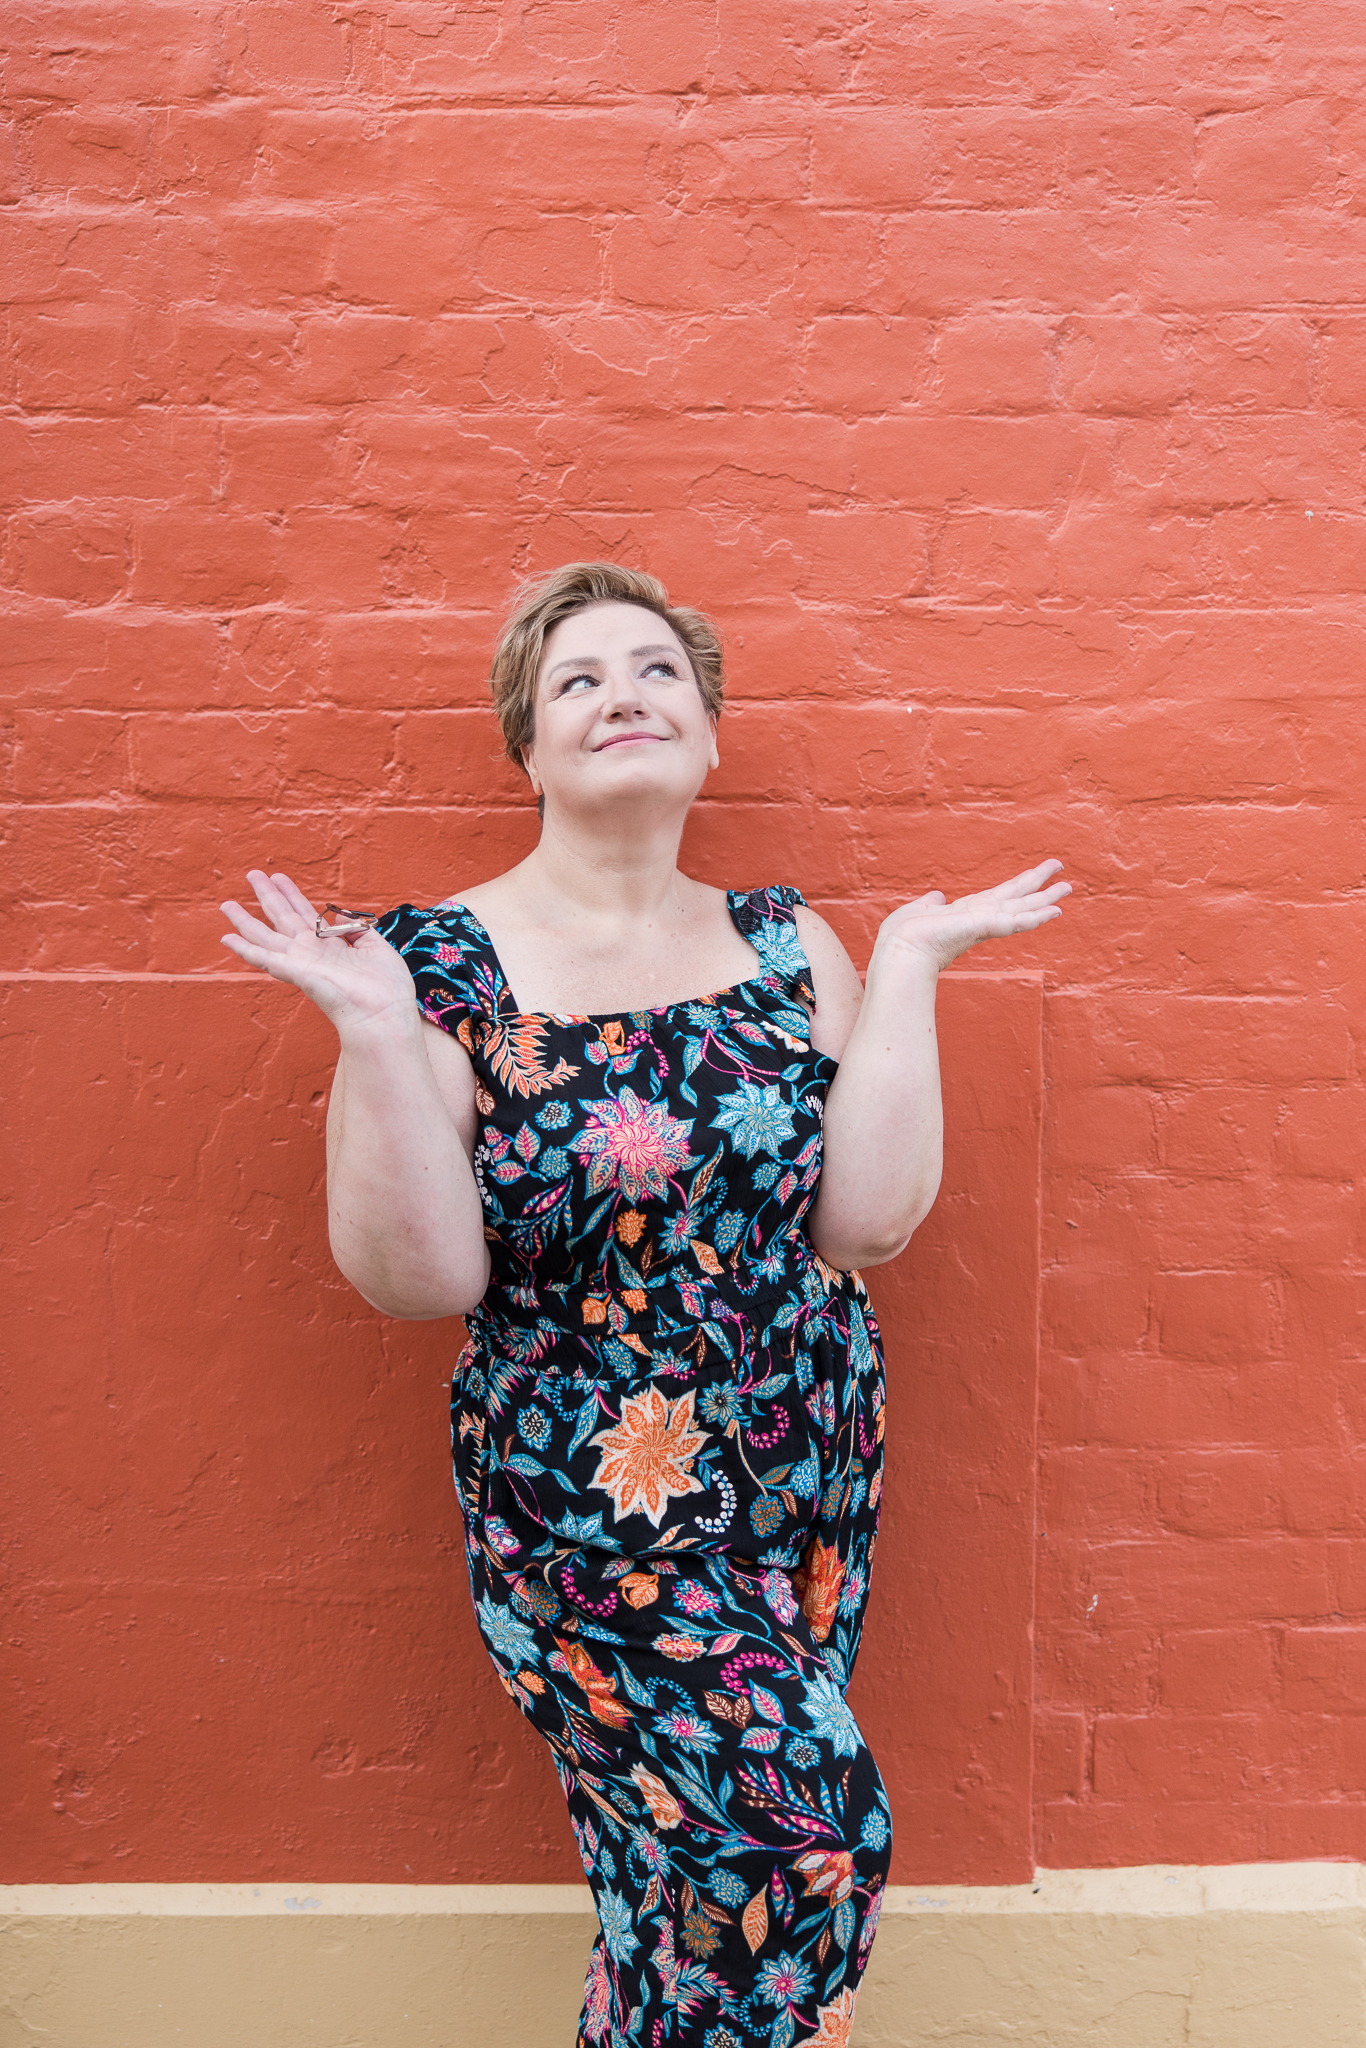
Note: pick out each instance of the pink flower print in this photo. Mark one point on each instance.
(647, 1457)
(597, 1997)
(633, 1146)
(695, 1599)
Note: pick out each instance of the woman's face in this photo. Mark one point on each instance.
(619, 716)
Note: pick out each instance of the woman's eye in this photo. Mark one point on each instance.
(572, 682)
(666, 667)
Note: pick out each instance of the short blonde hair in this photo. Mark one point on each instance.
(544, 601)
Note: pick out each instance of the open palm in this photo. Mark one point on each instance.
(940, 930)
(353, 983)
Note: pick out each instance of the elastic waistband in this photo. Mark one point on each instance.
(683, 1300)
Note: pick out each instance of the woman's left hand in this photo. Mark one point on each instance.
(934, 931)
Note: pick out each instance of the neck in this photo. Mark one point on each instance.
(610, 867)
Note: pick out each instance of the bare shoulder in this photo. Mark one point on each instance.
(835, 980)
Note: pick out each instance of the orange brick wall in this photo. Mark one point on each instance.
(995, 373)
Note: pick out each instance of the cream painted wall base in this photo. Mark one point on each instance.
(1249, 1956)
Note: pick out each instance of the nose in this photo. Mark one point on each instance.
(622, 696)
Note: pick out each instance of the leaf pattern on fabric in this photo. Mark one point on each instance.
(667, 1431)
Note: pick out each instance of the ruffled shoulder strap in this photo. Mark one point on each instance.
(453, 964)
(765, 918)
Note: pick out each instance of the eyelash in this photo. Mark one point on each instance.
(586, 677)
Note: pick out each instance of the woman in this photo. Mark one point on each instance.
(641, 1133)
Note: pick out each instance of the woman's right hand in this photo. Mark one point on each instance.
(357, 985)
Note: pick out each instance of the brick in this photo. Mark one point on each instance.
(997, 363)
(1109, 1492)
(77, 54)
(708, 263)
(63, 754)
(1321, 1133)
(47, 460)
(1221, 1493)
(871, 156)
(1218, 1131)
(886, 551)
(11, 177)
(1218, 1670)
(717, 159)
(1002, 464)
(680, 62)
(285, 48)
(1252, 363)
(208, 356)
(1130, 153)
(82, 558)
(277, 463)
(1107, 1667)
(208, 558)
(995, 156)
(558, 259)
(1060, 1755)
(1217, 1757)
(434, 659)
(1117, 1124)
(87, 155)
(855, 363)
(1214, 1318)
(85, 358)
(1104, 1397)
(274, 256)
(1122, 364)
(980, 556)
(1248, 163)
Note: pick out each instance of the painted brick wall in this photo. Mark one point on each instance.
(995, 372)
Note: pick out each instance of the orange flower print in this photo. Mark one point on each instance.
(657, 1796)
(641, 1589)
(817, 1583)
(837, 2022)
(597, 1687)
(828, 1872)
(630, 1225)
(647, 1457)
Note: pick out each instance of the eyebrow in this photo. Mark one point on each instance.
(595, 660)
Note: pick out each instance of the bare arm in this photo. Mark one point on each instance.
(884, 1121)
(404, 1214)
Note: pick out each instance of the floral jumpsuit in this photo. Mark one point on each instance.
(667, 1430)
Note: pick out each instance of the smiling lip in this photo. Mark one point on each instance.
(629, 739)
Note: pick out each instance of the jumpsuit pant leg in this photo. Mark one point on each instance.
(731, 1820)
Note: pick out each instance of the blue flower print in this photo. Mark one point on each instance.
(757, 1118)
(615, 1916)
(505, 1635)
(730, 1888)
(689, 1731)
(875, 1831)
(828, 1712)
(783, 1980)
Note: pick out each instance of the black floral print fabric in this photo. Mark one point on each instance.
(668, 1429)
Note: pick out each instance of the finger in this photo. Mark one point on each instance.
(1029, 882)
(275, 903)
(257, 956)
(295, 898)
(251, 928)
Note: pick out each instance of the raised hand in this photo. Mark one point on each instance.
(356, 983)
(936, 930)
